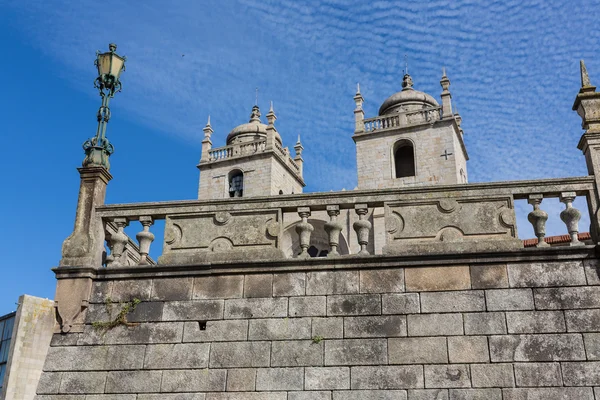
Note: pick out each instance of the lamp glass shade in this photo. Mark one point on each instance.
(104, 63)
(116, 65)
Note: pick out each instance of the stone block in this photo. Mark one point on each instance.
(289, 284)
(101, 290)
(468, 349)
(328, 328)
(475, 394)
(327, 378)
(430, 350)
(94, 358)
(566, 298)
(273, 379)
(256, 308)
(447, 376)
(492, 375)
(64, 339)
(489, 276)
(307, 306)
(424, 279)
(296, 353)
(152, 332)
(369, 395)
(357, 304)
(401, 303)
(356, 352)
(172, 396)
(133, 382)
(247, 396)
(111, 397)
(177, 356)
(280, 329)
(548, 347)
(592, 271)
(581, 373)
(218, 287)
(172, 289)
(509, 299)
(49, 383)
(548, 394)
(240, 354)
(382, 281)
(435, 324)
(386, 377)
(259, 285)
(215, 331)
(583, 320)
(544, 274)
(428, 394)
(195, 310)
(193, 380)
(592, 345)
(440, 302)
(309, 395)
(332, 282)
(538, 374)
(60, 397)
(535, 322)
(147, 311)
(241, 380)
(379, 326)
(489, 323)
(129, 289)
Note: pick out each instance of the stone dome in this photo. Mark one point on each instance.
(250, 131)
(408, 99)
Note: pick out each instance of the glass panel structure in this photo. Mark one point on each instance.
(7, 323)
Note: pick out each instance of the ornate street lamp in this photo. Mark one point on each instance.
(110, 65)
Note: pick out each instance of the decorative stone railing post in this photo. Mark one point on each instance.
(571, 216)
(117, 243)
(538, 218)
(145, 238)
(362, 228)
(333, 229)
(304, 229)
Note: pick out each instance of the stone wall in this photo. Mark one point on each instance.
(520, 326)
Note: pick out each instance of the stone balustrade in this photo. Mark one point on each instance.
(400, 120)
(438, 219)
(236, 150)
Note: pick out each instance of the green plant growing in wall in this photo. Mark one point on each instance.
(121, 317)
(317, 339)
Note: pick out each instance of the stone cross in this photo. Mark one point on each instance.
(446, 154)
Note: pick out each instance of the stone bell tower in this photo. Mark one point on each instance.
(414, 141)
(253, 163)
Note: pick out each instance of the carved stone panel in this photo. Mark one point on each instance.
(221, 235)
(433, 225)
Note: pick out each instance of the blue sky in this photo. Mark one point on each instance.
(513, 67)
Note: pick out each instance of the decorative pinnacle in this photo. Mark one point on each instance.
(208, 123)
(443, 72)
(271, 115)
(585, 78)
(407, 82)
(297, 142)
(358, 88)
(271, 108)
(255, 115)
(112, 47)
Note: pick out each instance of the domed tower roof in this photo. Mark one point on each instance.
(250, 131)
(408, 99)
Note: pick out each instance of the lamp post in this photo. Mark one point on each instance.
(110, 65)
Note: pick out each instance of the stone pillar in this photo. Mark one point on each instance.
(359, 114)
(446, 96)
(206, 142)
(85, 246)
(587, 105)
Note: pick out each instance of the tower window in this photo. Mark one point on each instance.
(404, 159)
(236, 183)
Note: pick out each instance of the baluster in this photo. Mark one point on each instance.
(362, 228)
(304, 229)
(118, 240)
(538, 218)
(571, 216)
(333, 229)
(145, 238)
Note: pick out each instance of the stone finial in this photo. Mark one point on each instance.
(585, 78)
(255, 114)
(446, 95)
(298, 147)
(208, 130)
(587, 105)
(359, 114)
(407, 82)
(271, 117)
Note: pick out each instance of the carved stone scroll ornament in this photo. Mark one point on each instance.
(71, 303)
(304, 229)
(145, 238)
(362, 228)
(571, 216)
(538, 218)
(117, 244)
(333, 229)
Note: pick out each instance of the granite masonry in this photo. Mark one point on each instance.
(419, 290)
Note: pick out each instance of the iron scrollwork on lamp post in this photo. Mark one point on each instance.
(110, 65)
